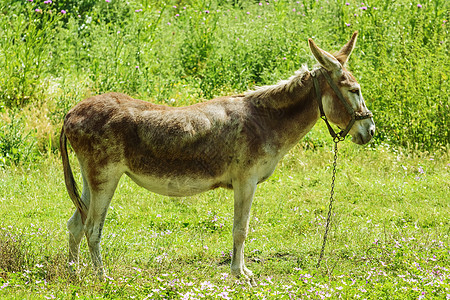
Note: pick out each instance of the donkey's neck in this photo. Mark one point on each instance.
(283, 94)
(289, 108)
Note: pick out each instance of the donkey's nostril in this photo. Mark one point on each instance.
(371, 132)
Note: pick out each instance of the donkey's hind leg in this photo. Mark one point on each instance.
(100, 199)
(76, 229)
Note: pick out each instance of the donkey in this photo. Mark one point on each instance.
(233, 142)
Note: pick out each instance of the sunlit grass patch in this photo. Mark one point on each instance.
(388, 238)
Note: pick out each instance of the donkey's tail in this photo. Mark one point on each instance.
(71, 185)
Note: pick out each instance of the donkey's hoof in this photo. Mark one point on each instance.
(103, 278)
(247, 272)
(246, 275)
(100, 274)
(252, 282)
(72, 269)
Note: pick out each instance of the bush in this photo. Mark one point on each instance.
(182, 50)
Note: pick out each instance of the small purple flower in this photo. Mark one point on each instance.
(108, 1)
(177, 15)
(419, 5)
(48, 1)
(363, 7)
(38, 10)
(30, 0)
(63, 12)
(347, 24)
(346, 3)
(248, 13)
(206, 11)
(174, 6)
(137, 67)
(421, 171)
(138, 10)
(260, 4)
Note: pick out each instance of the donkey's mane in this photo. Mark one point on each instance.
(283, 86)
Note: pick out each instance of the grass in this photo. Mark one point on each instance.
(389, 238)
(390, 233)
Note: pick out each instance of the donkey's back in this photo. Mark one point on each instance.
(139, 138)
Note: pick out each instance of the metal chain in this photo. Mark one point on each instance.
(330, 208)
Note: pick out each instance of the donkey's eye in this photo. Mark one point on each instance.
(354, 91)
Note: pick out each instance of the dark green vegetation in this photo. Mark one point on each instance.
(390, 235)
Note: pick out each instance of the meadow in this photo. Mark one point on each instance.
(389, 237)
(390, 232)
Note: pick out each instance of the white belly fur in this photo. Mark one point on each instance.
(175, 187)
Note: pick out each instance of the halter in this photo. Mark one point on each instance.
(337, 137)
(340, 136)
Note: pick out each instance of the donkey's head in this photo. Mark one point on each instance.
(335, 110)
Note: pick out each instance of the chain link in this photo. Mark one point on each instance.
(330, 207)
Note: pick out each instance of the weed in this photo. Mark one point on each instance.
(16, 147)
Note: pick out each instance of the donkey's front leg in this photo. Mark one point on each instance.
(243, 196)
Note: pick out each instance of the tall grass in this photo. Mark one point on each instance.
(182, 52)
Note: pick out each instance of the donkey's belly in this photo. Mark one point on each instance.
(176, 186)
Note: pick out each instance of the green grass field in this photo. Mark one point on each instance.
(389, 237)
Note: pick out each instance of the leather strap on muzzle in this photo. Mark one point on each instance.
(354, 115)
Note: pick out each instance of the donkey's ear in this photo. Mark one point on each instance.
(324, 58)
(343, 54)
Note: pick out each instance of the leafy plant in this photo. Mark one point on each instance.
(25, 44)
(16, 146)
(182, 52)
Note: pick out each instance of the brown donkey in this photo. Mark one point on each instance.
(233, 142)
